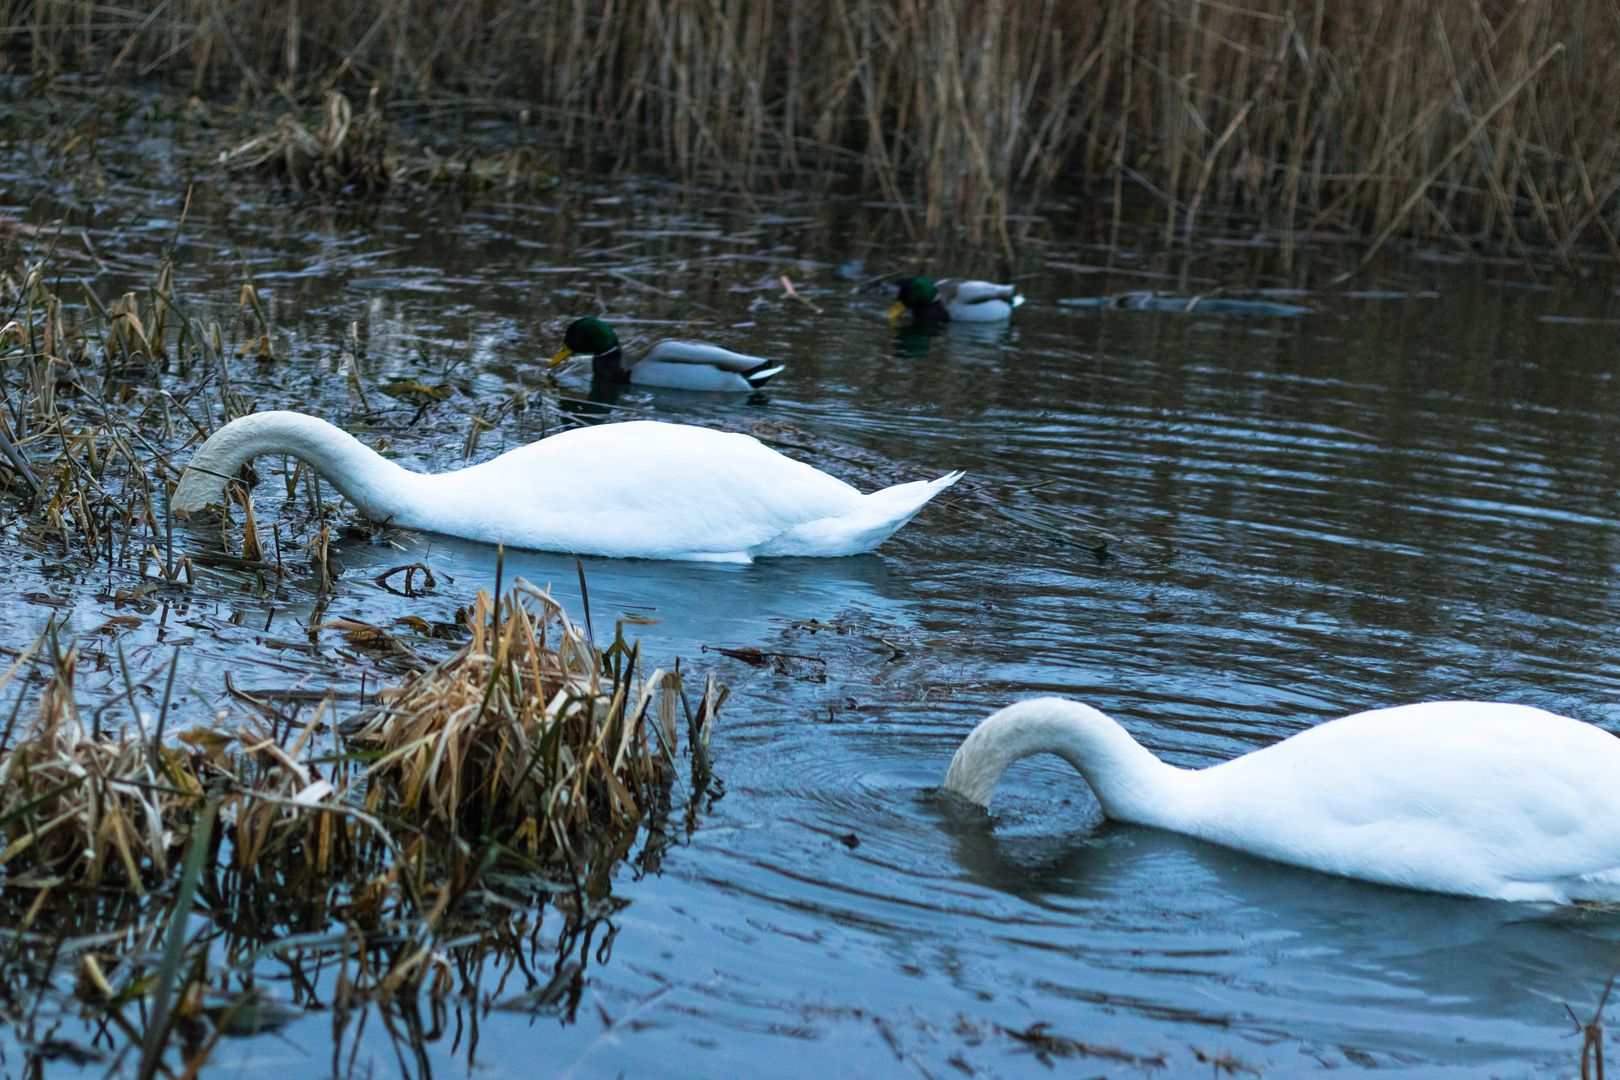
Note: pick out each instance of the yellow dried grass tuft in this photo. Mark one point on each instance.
(108, 810)
(528, 732)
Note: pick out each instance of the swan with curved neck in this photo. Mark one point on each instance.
(639, 489)
(1477, 798)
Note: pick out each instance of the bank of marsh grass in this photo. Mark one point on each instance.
(529, 737)
(1485, 125)
(521, 768)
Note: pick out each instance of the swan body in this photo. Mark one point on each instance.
(676, 365)
(955, 301)
(1477, 798)
(639, 489)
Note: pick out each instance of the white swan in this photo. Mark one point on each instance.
(1478, 798)
(633, 490)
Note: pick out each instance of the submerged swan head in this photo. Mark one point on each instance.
(375, 485)
(917, 293)
(1130, 783)
(589, 336)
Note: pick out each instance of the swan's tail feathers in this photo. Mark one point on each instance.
(878, 517)
(1017, 300)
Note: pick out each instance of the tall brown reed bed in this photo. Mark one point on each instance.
(1487, 124)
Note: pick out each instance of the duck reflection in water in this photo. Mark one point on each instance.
(914, 339)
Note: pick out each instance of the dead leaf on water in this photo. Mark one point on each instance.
(360, 634)
(416, 391)
(208, 742)
(117, 623)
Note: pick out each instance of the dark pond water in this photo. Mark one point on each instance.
(1412, 492)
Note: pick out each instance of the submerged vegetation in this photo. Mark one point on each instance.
(1481, 124)
(350, 152)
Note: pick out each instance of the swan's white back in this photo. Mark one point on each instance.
(639, 488)
(1479, 798)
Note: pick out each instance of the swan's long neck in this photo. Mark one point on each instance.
(376, 486)
(1131, 784)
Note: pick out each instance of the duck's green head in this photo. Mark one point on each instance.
(589, 336)
(916, 293)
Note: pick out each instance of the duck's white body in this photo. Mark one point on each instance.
(697, 365)
(633, 490)
(979, 301)
(1477, 798)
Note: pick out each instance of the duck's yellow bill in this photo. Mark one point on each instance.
(898, 310)
(562, 354)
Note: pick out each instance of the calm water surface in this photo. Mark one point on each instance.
(1408, 494)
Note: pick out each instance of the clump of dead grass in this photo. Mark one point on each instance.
(527, 732)
(343, 153)
(528, 736)
(82, 808)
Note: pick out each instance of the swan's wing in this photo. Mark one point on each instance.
(645, 489)
(698, 352)
(978, 292)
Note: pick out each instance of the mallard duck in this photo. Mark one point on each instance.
(676, 365)
(960, 301)
(639, 489)
(1471, 797)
